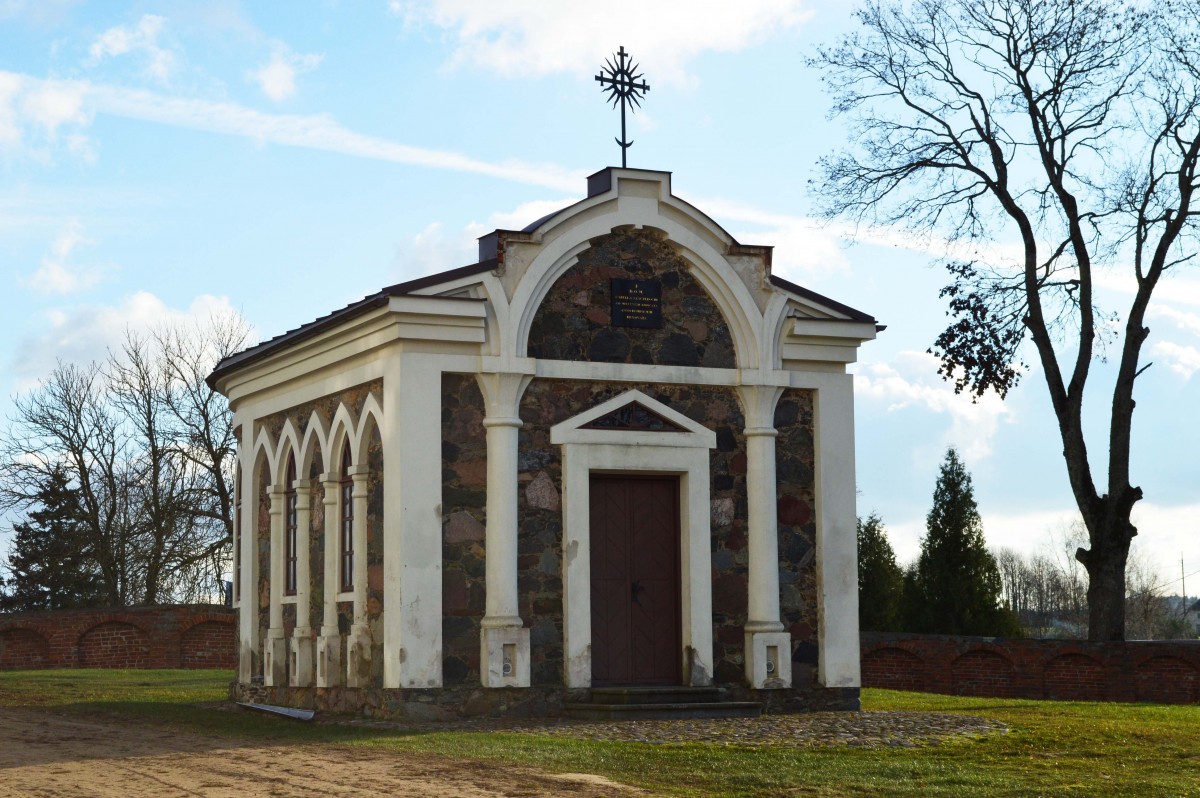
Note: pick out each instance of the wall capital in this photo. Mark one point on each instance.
(502, 392)
(758, 404)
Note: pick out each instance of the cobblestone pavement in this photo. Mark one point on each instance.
(854, 729)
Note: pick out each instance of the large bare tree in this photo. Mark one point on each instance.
(149, 448)
(1067, 127)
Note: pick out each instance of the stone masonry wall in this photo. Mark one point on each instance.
(547, 402)
(1159, 671)
(187, 636)
(574, 323)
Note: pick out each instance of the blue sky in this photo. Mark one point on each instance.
(164, 160)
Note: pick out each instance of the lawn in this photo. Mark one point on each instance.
(1052, 748)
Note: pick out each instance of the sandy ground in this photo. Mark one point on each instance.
(44, 754)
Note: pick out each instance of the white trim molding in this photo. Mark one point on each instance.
(631, 451)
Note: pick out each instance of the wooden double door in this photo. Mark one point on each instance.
(635, 534)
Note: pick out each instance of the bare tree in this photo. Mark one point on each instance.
(149, 447)
(1069, 126)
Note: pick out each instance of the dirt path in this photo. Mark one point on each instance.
(54, 755)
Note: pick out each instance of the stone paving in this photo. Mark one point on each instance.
(851, 729)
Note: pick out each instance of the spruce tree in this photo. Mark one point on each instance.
(956, 585)
(48, 563)
(880, 580)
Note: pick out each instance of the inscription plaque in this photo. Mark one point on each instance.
(636, 303)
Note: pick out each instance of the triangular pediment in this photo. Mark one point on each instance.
(635, 418)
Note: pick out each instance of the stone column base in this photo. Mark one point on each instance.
(329, 661)
(300, 674)
(769, 660)
(504, 657)
(275, 659)
(358, 657)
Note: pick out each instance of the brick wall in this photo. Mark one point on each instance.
(1161, 671)
(190, 636)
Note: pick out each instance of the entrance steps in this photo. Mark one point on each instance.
(660, 703)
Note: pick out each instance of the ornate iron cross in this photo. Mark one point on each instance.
(620, 80)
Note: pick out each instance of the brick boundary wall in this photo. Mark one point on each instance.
(1158, 671)
(174, 636)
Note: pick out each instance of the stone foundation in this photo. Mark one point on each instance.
(457, 703)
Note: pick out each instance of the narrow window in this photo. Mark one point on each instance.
(346, 538)
(237, 534)
(289, 580)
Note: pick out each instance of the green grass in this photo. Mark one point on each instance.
(1052, 748)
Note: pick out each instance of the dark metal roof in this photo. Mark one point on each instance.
(804, 293)
(369, 302)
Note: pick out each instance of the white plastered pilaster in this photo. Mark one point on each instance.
(837, 541)
(412, 528)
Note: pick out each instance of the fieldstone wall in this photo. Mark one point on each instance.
(574, 322)
(183, 636)
(546, 403)
(1159, 671)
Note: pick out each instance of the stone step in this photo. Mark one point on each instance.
(669, 694)
(678, 711)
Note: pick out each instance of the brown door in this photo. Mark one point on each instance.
(635, 580)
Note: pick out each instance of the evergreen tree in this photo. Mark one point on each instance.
(49, 565)
(956, 585)
(880, 580)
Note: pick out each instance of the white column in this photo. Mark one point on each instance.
(412, 521)
(247, 525)
(274, 653)
(837, 541)
(301, 672)
(358, 659)
(329, 644)
(768, 651)
(504, 641)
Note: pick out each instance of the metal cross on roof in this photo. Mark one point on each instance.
(620, 80)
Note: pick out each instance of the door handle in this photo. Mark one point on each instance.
(635, 589)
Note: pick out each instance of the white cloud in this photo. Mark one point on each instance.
(911, 380)
(38, 113)
(56, 275)
(1183, 360)
(277, 77)
(86, 333)
(534, 37)
(433, 250)
(142, 38)
(318, 132)
(1188, 322)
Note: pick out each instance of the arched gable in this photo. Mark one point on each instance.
(710, 268)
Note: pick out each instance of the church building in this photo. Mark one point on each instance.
(617, 452)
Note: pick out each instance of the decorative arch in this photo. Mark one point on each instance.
(289, 443)
(114, 644)
(315, 445)
(983, 672)
(1074, 677)
(263, 453)
(708, 266)
(372, 417)
(22, 648)
(343, 429)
